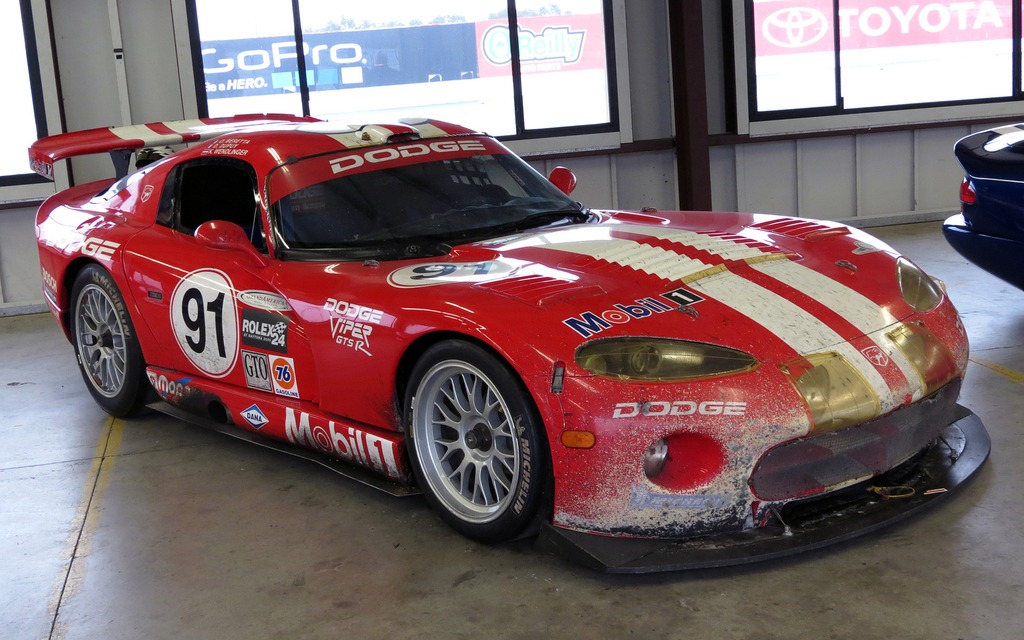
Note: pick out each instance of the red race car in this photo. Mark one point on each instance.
(416, 306)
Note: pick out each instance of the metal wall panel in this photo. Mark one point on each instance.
(827, 177)
(766, 177)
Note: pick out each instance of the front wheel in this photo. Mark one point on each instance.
(475, 441)
(104, 338)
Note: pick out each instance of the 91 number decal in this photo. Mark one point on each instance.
(205, 321)
(451, 272)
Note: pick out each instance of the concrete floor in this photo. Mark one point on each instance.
(153, 528)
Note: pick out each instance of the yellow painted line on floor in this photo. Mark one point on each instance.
(86, 520)
(1014, 376)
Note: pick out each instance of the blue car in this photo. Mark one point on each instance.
(989, 230)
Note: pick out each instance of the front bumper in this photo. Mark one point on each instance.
(941, 468)
(999, 256)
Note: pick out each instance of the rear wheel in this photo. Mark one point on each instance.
(475, 441)
(104, 338)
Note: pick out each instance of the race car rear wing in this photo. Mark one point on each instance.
(120, 142)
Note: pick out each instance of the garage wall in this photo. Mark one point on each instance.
(873, 178)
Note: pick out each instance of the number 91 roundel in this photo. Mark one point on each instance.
(205, 321)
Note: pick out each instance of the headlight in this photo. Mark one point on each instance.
(837, 395)
(919, 290)
(660, 359)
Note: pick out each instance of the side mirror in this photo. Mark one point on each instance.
(564, 179)
(221, 234)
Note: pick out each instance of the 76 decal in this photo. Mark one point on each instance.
(205, 321)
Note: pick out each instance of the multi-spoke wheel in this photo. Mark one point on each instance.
(474, 441)
(104, 339)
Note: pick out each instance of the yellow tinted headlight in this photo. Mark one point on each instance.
(660, 359)
(919, 290)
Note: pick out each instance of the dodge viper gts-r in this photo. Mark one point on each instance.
(647, 390)
(989, 230)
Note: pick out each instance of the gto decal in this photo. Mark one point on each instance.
(347, 443)
(257, 370)
(678, 408)
(591, 323)
(205, 322)
(265, 330)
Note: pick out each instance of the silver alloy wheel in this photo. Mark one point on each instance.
(101, 341)
(466, 443)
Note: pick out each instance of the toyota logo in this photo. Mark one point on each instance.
(795, 27)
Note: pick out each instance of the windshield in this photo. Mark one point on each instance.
(380, 210)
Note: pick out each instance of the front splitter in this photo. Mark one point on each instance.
(932, 477)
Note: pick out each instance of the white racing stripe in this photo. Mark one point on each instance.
(627, 253)
(716, 246)
(792, 324)
(855, 308)
(149, 137)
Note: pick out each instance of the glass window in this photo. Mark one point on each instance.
(23, 120)
(841, 55)
(392, 59)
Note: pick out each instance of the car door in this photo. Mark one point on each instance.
(213, 312)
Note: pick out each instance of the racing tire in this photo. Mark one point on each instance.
(475, 441)
(106, 344)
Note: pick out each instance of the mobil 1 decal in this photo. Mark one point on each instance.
(205, 321)
(592, 322)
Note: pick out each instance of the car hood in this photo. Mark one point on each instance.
(765, 285)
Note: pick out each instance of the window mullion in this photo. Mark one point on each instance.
(838, 55)
(300, 58)
(517, 78)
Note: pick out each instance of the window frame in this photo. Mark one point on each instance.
(616, 132)
(841, 119)
(28, 186)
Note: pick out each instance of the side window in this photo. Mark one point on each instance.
(212, 190)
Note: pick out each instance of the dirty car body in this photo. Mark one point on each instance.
(654, 390)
